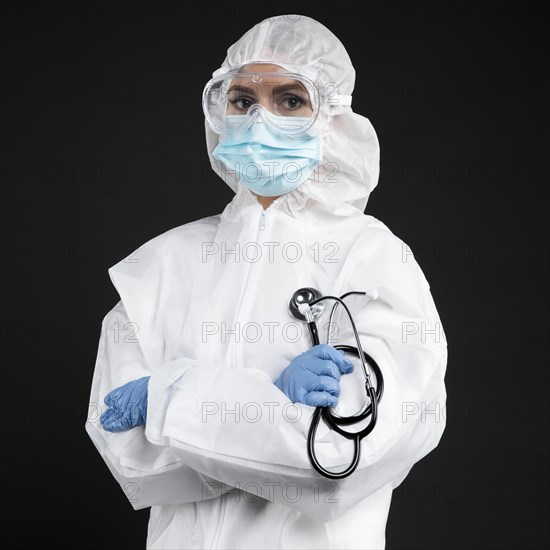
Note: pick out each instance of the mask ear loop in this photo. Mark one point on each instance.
(336, 105)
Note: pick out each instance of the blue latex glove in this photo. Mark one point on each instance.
(313, 377)
(127, 406)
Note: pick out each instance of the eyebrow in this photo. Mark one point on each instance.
(275, 90)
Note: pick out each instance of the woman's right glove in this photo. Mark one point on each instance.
(127, 406)
(313, 377)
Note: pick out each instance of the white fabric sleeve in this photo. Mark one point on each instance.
(234, 425)
(148, 474)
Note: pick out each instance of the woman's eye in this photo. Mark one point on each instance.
(293, 102)
(243, 103)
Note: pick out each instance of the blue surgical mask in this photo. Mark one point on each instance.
(266, 160)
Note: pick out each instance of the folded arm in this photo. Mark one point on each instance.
(147, 473)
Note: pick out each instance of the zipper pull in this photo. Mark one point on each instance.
(262, 221)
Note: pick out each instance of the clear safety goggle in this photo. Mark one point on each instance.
(235, 100)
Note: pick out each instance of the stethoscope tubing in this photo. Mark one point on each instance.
(333, 420)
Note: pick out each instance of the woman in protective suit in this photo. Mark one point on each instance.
(207, 386)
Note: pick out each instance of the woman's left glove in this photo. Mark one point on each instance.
(127, 406)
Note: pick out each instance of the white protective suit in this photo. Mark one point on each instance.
(222, 460)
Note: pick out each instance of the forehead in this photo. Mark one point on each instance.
(261, 68)
(268, 81)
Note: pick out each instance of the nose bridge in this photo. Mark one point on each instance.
(265, 98)
(258, 112)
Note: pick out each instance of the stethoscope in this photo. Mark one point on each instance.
(307, 304)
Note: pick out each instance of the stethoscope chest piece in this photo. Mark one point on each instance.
(305, 296)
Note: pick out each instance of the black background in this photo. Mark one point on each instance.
(103, 148)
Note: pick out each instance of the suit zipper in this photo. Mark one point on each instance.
(261, 227)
